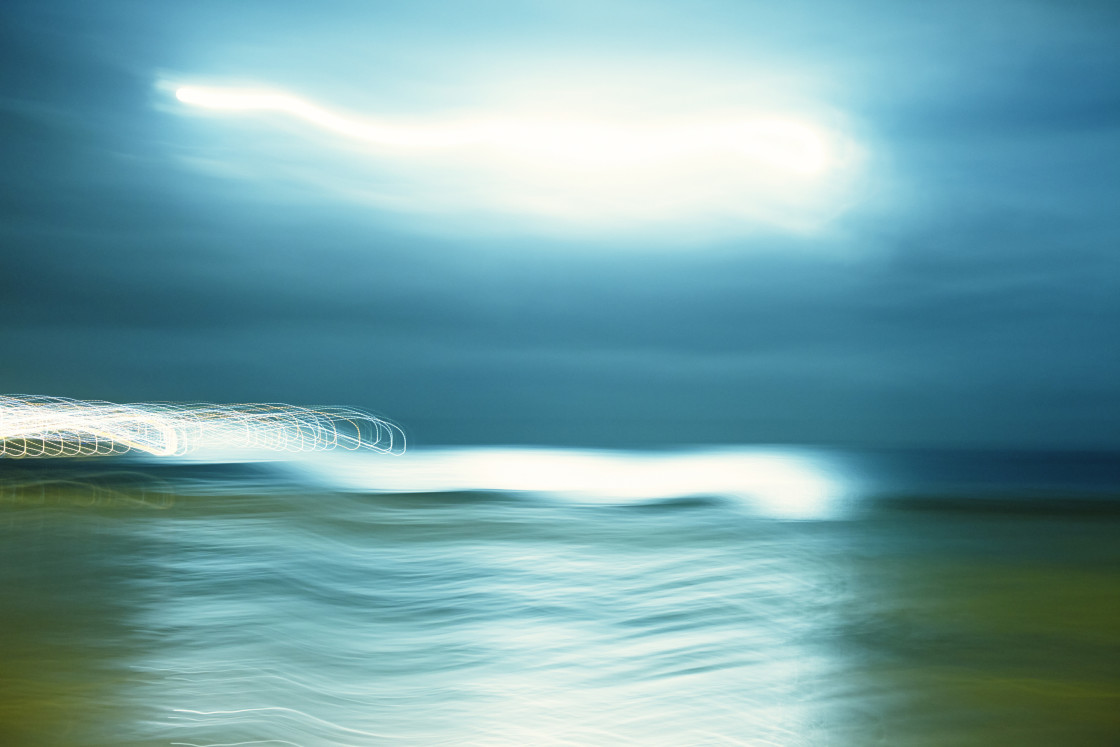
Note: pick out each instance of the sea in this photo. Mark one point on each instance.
(761, 595)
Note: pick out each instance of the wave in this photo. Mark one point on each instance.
(779, 482)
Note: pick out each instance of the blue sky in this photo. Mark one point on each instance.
(951, 278)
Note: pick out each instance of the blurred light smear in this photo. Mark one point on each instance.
(783, 146)
(590, 164)
(779, 483)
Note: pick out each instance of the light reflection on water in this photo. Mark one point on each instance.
(249, 607)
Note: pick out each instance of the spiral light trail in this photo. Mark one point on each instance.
(42, 426)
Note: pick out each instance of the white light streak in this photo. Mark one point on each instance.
(41, 426)
(769, 143)
(779, 484)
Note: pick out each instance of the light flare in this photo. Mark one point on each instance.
(42, 426)
(793, 148)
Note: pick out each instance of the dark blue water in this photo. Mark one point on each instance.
(523, 597)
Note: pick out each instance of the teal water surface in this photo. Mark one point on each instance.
(207, 605)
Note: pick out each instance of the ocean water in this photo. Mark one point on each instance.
(753, 596)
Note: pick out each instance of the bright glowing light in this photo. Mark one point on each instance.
(38, 426)
(794, 148)
(780, 484)
(627, 156)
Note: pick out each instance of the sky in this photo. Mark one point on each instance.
(859, 222)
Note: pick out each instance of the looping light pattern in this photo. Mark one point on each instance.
(41, 426)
